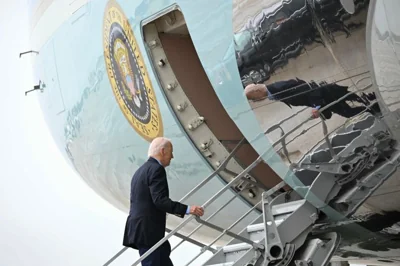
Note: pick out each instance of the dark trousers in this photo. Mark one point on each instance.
(159, 257)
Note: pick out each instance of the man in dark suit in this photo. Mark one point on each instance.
(149, 204)
(297, 92)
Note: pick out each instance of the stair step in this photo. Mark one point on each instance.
(277, 210)
(224, 264)
(260, 227)
(236, 247)
(288, 207)
(255, 227)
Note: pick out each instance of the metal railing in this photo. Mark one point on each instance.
(208, 218)
(282, 140)
(224, 232)
(219, 193)
(325, 127)
(222, 167)
(256, 245)
(230, 233)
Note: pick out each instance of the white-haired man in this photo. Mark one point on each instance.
(150, 203)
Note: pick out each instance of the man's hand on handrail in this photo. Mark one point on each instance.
(196, 210)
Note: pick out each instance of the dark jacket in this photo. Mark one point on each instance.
(150, 203)
(297, 92)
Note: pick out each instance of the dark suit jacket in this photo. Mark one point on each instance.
(297, 92)
(150, 203)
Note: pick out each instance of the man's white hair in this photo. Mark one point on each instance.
(252, 89)
(157, 144)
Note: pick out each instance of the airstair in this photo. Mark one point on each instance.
(337, 174)
(341, 173)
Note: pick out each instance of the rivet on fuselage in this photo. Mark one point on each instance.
(161, 63)
(251, 194)
(171, 86)
(153, 43)
(181, 107)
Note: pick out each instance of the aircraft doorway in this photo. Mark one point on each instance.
(197, 107)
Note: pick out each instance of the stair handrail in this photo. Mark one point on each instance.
(265, 194)
(333, 130)
(276, 125)
(230, 233)
(325, 127)
(219, 169)
(208, 218)
(222, 234)
(282, 139)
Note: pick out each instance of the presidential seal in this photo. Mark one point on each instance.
(128, 75)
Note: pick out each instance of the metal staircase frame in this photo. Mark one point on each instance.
(279, 240)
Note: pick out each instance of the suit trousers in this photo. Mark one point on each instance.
(159, 257)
